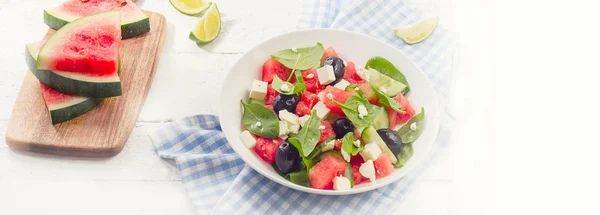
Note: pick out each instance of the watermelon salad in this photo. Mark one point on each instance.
(79, 65)
(324, 122)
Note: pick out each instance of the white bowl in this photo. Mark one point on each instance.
(350, 46)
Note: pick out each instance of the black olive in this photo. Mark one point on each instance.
(391, 139)
(287, 158)
(285, 102)
(338, 68)
(341, 127)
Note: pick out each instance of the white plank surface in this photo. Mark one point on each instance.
(138, 182)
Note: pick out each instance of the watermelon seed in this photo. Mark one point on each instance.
(122, 4)
(84, 0)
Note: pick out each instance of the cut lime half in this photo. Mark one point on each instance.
(418, 32)
(190, 7)
(208, 27)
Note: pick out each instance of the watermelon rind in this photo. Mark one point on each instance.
(77, 83)
(133, 23)
(65, 111)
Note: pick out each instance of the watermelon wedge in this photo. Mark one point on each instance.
(134, 22)
(62, 107)
(82, 57)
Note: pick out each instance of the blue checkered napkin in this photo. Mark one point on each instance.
(218, 181)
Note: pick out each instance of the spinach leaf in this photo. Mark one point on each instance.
(308, 57)
(408, 134)
(309, 135)
(307, 163)
(350, 108)
(387, 101)
(259, 120)
(277, 83)
(355, 88)
(406, 152)
(299, 178)
(387, 68)
(348, 144)
(318, 149)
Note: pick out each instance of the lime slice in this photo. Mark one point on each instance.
(209, 26)
(418, 32)
(190, 7)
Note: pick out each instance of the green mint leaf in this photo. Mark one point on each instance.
(307, 58)
(406, 152)
(350, 108)
(387, 68)
(407, 134)
(387, 101)
(299, 178)
(348, 144)
(259, 120)
(308, 136)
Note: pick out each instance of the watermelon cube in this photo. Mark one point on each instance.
(350, 74)
(311, 80)
(331, 93)
(265, 148)
(329, 52)
(273, 67)
(271, 94)
(327, 132)
(398, 118)
(321, 175)
(383, 166)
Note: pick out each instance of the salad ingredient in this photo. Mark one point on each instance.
(258, 90)
(392, 140)
(287, 158)
(269, 124)
(322, 110)
(82, 57)
(266, 148)
(336, 94)
(342, 84)
(387, 69)
(366, 90)
(308, 137)
(371, 151)
(209, 26)
(342, 126)
(272, 68)
(380, 81)
(248, 139)
(271, 94)
(383, 166)
(370, 135)
(283, 129)
(413, 34)
(326, 75)
(326, 132)
(359, 111)
(293, 128)
(321, 175)
(286, 102)
(401, 118)
(301, 59)
(413, 128)
(341, 183)
(328, 145)
(350, 75)
(358, 178)
(299, 178)
(311, 80)
(288, 117)
(190, 7)
(133, 21)
(338, 67)
(404, 155)
(349, 146)
(306, 104)
(387, 101)
(381, 121)
(329, 52)
(367, 169)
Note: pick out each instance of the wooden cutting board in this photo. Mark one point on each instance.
(104, 130)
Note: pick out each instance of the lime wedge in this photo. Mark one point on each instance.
(418, 32)
(190, 7)
(208, 27)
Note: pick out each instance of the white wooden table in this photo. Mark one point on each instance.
(138, 182)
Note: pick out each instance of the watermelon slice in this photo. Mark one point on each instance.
(321, 175)
(62, 107)
(82, 57)
(134, 22)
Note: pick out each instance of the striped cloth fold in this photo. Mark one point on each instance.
(218, 181)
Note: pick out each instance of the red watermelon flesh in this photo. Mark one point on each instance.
(271, 94)
(265, 148)
(355, 162)
(329, 52)
(271, 68)
(350, 74)
(398, 118)
(74, 9)
(383, 166)
(88, 48)
(331, 93)
(321, 175)
(308, 101)
(311, 80)
(327, 132)
(368, 91)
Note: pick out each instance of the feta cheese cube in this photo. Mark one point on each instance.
(341, 183)
(248, 139)
(258, 90)
(328, 146)
(342, 84)
(357, 143)
(362, 111)
(367, 170)
(322, 110)
(293, 128)
(370, 152)
(363, 73)
(326, 75)
(413, 126)
(345, 155)
(283, 128)
(321, 127)
(288, 117)
(302, 120)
